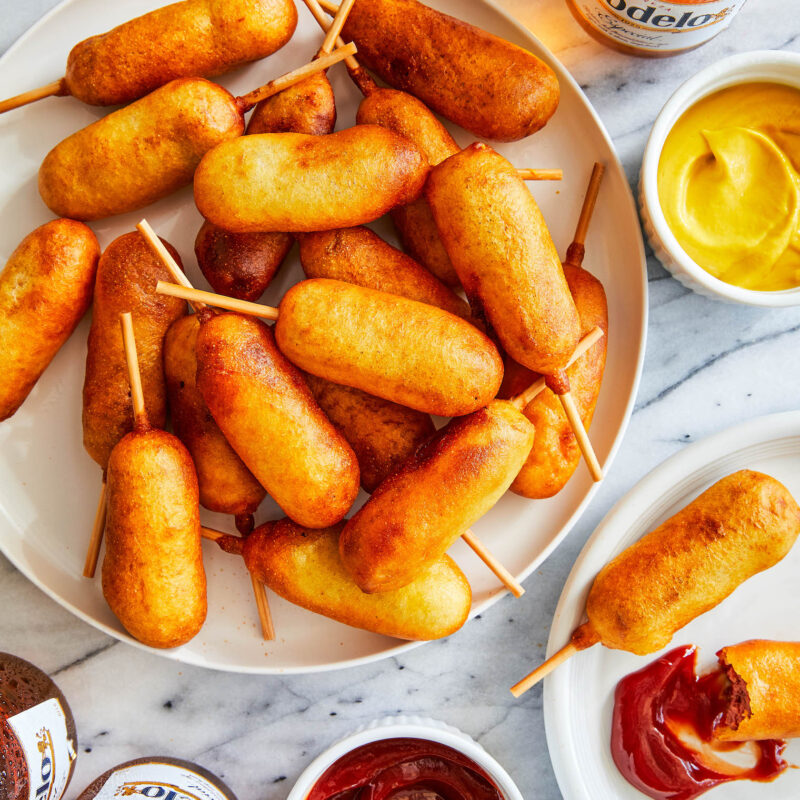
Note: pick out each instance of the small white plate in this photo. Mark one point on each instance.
(49, 486)
(578, 697)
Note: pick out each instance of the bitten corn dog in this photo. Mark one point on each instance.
(743, 524)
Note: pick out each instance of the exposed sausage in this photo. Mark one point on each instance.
(764, 696)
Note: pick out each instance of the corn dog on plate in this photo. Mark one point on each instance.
(579, 695)
(49, 486)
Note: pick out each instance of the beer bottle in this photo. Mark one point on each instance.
(38, 744)
(157, 778)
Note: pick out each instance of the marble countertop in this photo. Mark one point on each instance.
(708, 366)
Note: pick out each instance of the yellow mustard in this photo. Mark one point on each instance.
(729, 185)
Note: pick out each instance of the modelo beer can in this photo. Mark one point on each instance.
(654, 28)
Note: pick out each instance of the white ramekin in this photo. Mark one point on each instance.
(761, 65)
(407, 728)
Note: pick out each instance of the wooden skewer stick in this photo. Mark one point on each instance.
(54, 89)
(96, 539)
(585, 445)
(335, 28)
(319, 15)
(259, 590)
(541, 671)
(262, 604)
(576, 250)
(522, 400)
(575, 254)
(247, 101)
(140, 418)
(220, 301)
(505, 577)
(541, 174)
(137, 395)
(328, 6)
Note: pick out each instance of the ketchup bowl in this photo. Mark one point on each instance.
(407, 728)
(768, 66)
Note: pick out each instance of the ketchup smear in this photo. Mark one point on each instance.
(644, 745)
(404, 769)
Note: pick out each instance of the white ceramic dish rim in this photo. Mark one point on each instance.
(757, 65)
(177, 654)
(410, 727)
(669, 472)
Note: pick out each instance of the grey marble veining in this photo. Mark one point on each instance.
(708, 366)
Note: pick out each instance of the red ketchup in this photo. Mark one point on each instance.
(404, 769)
(652, 705)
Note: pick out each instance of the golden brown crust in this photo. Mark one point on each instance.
(388, 346)
(296, 182)
(501, 249)
(153, 577)
(382, 434)
(307, 107)
(45, 289)
(181, 40)
(126, 281)
(140, 153)
(226, 485)
(240, 264)
(359, 256)
(770, 672)
(742, 525)
(415, 515)
(404, 114)
(421, 240)
(479, 81)
(267, 413)
(303, 567)
(555, 455)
